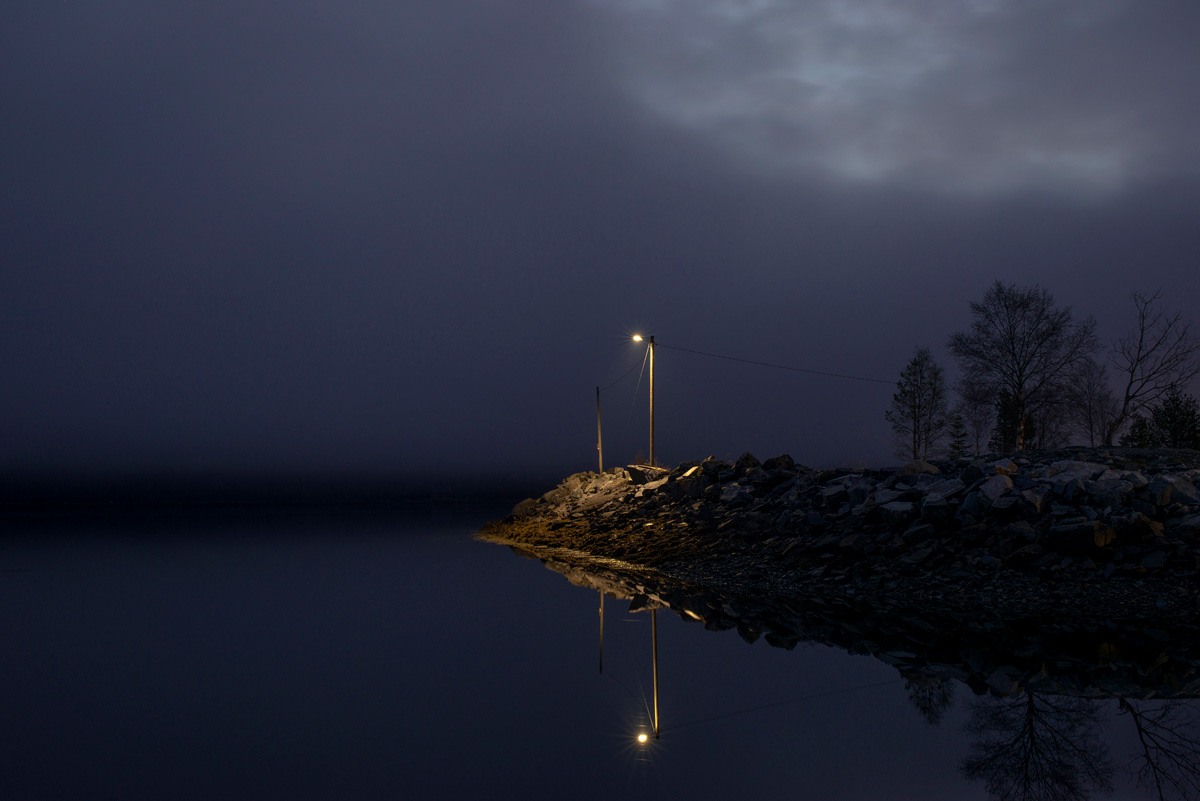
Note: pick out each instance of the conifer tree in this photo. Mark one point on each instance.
(918, 414)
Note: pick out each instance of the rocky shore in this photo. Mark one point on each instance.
(1083, 537)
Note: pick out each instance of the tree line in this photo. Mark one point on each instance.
(1034, 376)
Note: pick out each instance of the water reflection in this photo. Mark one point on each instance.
(1048, 696)
(1038, 747)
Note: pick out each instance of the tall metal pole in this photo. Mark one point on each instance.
(654, 636)
(599, 440)
(601, 631)
(652, 462)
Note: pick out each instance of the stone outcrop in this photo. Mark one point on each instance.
(1116, 531)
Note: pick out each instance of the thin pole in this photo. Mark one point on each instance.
(601, 631)
(652, 462)
(654, 636)
(599, 439)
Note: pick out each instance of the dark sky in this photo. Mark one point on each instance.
(404, 242)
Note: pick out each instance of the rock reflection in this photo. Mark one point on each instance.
(1044, 689)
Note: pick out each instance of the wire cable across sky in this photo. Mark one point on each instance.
(775, 366)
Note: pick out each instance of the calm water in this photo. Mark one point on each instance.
(355, 654)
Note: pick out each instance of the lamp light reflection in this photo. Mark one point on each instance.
(642, 738)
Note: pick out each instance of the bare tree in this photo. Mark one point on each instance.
(975, 404)
(1168, 760)
(1091, 404)
(918, 414)
(1020, 342)
(1158, 353)
(1037, 748)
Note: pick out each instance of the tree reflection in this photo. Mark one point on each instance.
(1168, 764)
(1037, 748)
(931, 695)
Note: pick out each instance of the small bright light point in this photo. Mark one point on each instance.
(637, 337)
(642, 738)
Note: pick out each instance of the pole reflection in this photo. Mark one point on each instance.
(1047, 702)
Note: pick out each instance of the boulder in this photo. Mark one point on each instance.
(834, 495)
(1031, 501)
(1158, 492)
(1109, 492)
(937, 511)
(1183, 491)
(947, 488)
(735, 495)
(1136, 527)
(1005, 467)
(781, 462)
(1076, 537)
(1155, 560)
(1068, 470)
(916, 467)
(994, 487)
(525, 507)
(897, 513)
(883, 496)
(746, 461)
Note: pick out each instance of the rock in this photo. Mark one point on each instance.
(1154, 561)
(918, 533)
(651, 487)
(835, 495)
(1023, 556)
(1031, 501)
(918, 466)
(1183, 491)
(994, 487)
(525, 507)
(640, 474)
(1158, 492)
(972, 473)
(781, 462)
(1070, 470)
(897, 513)
(746, 461)
(973, 505)
(937, 511)
(883, 496)
(1136, 527)
(1109, 493)
(1074, 537)
(1021, 531)
(1187, 525)
(690, 486)
(918, 556)
(948, 488)
(735, 495)
(1005, 467)
(1004, 507)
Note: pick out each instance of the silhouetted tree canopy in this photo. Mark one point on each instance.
(1022, 344)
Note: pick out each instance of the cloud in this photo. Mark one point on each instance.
(964, 98)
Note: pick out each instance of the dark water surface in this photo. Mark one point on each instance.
(365, 654)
